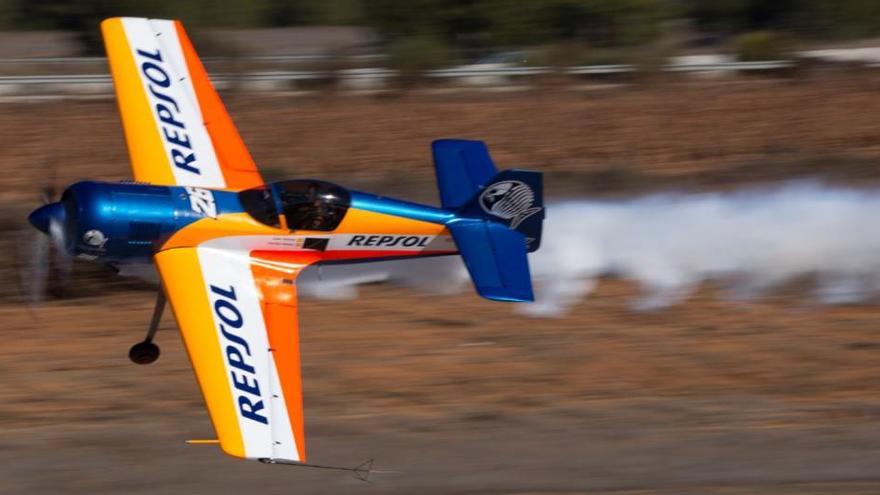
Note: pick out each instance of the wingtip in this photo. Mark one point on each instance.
(507, 295)
(106, 23)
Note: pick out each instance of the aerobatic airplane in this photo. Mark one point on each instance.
(228, 246)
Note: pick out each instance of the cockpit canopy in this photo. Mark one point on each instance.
(303, 204)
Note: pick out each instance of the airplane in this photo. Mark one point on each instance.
(228, 246)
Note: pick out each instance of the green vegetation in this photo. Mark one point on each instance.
(805, 18)
(758, 46)
(480, 26)
(506, 22)
(413, 56)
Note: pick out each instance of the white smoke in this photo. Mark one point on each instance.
(749, 241)
(441, 275)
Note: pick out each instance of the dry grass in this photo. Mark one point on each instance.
(709, 396)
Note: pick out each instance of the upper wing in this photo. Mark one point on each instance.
(236, 310)
(177, 129)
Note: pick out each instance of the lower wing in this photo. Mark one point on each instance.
(236, 310)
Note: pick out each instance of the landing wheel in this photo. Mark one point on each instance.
(143, 353)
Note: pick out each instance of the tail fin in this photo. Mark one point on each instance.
(499, 217)
(462, 167)
(470, 184)
(514, 198)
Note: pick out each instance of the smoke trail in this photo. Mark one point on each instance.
(750, 241)
(435, 275)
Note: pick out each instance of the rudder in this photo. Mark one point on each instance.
(470, 184)
(514, 198)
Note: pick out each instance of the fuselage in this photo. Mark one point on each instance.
(130, 222)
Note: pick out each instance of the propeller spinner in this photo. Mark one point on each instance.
(49, 250)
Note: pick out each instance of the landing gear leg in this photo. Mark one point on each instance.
(146, 352)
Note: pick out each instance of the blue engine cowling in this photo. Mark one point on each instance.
(112, 221)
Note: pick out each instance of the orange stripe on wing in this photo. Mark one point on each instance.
(149, 161)
(275, 273)
(183, 281)
(239, 169)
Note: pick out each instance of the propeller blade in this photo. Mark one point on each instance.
(56, 233)
(47, 195)
(48, 253)
(63, 260)
(36, 271)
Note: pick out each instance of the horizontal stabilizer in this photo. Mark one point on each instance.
(496, 259)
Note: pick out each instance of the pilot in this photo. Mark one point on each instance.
(316, 209)
(313, 210)
(325, 213)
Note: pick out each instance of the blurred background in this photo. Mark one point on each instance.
(707, 316)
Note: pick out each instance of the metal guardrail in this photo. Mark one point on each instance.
(589, 70)
(473, 75)
(733, 66)
(248, 58)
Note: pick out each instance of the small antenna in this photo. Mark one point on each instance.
(362, 471)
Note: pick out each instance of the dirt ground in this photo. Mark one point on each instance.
(457, 394)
